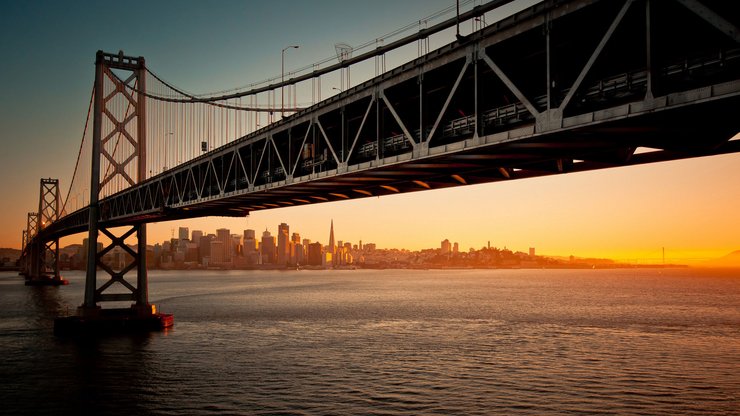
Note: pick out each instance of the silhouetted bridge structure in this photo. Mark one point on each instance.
(563, 86)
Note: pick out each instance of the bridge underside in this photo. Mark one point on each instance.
(565, 86)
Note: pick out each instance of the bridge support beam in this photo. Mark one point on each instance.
(118, 258)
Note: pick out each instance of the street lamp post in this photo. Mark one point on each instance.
(282, 78)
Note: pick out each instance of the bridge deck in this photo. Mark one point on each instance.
(564, 86)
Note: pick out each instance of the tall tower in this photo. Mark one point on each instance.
(224, 235)
(283, 255)
(110, 174)
(267, 247)
(331, 237)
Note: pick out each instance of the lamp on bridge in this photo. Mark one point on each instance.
(282, 78)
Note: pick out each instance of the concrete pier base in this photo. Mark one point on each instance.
(97, 321)
(46, 280)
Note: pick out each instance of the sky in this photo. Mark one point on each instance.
(687, 207)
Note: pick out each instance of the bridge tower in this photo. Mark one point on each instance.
(40, 262)
(27, 253)
(115, 76)
(48, 251)
(22, 262)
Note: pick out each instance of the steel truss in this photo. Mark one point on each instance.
(137, 260)
(564, 86)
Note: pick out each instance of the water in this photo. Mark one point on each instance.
(389, 342)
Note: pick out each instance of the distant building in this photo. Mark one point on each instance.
(224, 236)
(332, 244)
(295, 242)
(204, 247)
(531, 251)
(283, 244)
(327, 260)
(314, 254)
(446, 246)
(183, 233)
(191, 253)
(455, 248)
(299, 254)
(196, 236)
(249, 248)
(83, 254)
(217, 252)
(250, 242)
(267, 248)
(236, 245)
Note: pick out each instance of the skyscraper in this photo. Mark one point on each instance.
(250, 242)
(205, 246)
(446, 246)
(236, 245)
(217, 252)
(283, 253)
(196, 236)
(224, 235)
(183, 233)
(267, 247)
(295, 247)
(332, 245)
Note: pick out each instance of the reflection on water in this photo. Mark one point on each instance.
(47, 304)
(390, 342)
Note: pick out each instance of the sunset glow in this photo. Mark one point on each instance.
(687, 206)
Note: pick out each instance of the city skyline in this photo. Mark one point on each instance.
(624, 213)
(225, 250)
(662, 255)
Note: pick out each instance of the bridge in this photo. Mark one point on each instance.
(562, 86)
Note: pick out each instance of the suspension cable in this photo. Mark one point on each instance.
(421, 34)
(82, 143)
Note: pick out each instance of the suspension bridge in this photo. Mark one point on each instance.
(562, 86)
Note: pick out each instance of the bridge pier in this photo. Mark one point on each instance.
(121, 258)
(91, 318)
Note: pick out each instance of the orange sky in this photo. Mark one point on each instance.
(689, 207)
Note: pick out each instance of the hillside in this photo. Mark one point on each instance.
(730, 260)
(10, 253)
